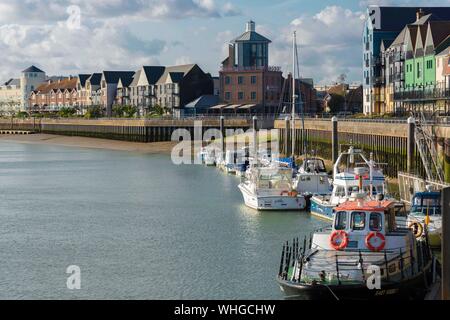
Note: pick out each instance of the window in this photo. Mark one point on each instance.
(240, 80)
(253, 95)
(375, 223)
(340, 191)
(419, 70)
(253, 79)
(358, 221)
(240, 96)
(227, 96)
(227, 80)
(341, 220)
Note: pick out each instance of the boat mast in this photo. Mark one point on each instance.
(294, 45)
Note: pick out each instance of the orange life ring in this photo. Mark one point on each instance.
(416, 228)
(293, 194)
(339, 240)
(378, 235)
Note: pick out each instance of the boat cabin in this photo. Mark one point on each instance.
(363, 226)
(426, 203)
(313, 165)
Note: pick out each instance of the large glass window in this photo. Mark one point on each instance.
(341, 220)
(358, 221)
(375, 222)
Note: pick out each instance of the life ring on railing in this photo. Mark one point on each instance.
(416, 228)
(339, 240)
(376, 235)
(284, 193)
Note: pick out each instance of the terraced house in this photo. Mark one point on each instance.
(422, 90)
(54, 95)
(169, 87)
(382, 27)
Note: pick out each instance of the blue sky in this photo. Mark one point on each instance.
(125, 34)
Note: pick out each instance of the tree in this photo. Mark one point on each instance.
(67, 112)
(129, 111)
(158, 110)
(336, 103)
(93, 112)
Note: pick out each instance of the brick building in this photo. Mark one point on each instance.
(247, 82)
(53, 95)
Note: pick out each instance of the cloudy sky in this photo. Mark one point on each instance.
(125, 34)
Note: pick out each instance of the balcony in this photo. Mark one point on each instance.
(399, 56)
(253, 68)
(425, 94)
(378, 80)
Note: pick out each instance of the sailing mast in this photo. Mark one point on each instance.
(294, 49)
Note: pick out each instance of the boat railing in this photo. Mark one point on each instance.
(390, 262)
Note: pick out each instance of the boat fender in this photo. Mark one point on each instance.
(378, 235)
(416, 228)
(339, 240)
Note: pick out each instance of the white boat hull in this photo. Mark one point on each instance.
(275, 203)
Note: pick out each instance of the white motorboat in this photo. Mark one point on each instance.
(312, 178)
(353, 173)
(270, 188)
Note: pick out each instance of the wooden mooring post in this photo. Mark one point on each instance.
(411, 145)
(222, 131)
(335, 140)
(445, 245)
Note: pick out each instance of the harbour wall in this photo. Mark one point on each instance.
(119, 129)
(386, 139)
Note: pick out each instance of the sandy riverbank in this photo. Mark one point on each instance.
(94, 143)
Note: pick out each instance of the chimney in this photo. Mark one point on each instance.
(419, 14)
(250, 26)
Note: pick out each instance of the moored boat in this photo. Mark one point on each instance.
(312, 178)
(353, 173)
(270, 188)
(364, 255)
(425, 217)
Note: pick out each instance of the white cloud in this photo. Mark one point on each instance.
(329, 44)
(36, 32)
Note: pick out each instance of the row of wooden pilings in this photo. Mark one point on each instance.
(398, 152)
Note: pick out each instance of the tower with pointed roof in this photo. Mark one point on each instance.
(30, 79)
(247, 83)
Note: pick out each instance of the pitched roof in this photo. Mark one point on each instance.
(136, 77)
(205, 101)
(33, 69)
(153, 73)
(181, 70)
(68, 83)
(251, 36)
(440, 30)
(114, 76)
(126, 80)
(12, 82)
(395, 18)
(95, 79)
(83, 78)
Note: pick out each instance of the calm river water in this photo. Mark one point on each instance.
(138, 226)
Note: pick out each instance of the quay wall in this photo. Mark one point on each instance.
(387, 140)
(118, 129)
